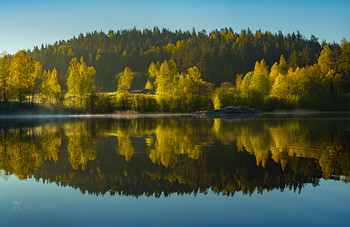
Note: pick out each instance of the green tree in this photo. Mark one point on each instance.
(244, 85)
(153, 70)
(37, 75)
(194, 92)
(73, 79)
(259, 83)
(166, 83)
(80, 80)
(50, 89)
(344, 63)
(124, 84)
(125, 81)
(165, 78)
(283, 68)
(294, 60)
(87, 80)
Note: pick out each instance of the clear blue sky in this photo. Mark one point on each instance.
(25, 23)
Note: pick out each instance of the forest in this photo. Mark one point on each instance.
(179, 71)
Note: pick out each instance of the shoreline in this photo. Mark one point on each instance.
(158, 114)
(14, 110)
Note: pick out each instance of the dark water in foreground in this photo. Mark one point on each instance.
(273, 170)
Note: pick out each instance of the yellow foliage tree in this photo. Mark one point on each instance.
(4, 75)
(325, 60)
(125, 81)
(149, 85)
(22, 75)
(50, 88)
(80, 80)
(280, 87)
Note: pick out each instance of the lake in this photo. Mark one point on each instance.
(168, 170)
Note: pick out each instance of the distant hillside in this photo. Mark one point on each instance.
(220, 55)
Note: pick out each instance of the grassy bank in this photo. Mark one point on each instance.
(10, 108)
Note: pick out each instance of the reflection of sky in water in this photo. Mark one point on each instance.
(31, 203)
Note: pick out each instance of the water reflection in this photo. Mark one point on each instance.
(155, 156)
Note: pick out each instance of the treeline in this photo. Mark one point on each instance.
(219, 55)
(181, 83)
(322, 86)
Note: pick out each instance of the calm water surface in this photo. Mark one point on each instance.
(272, 170)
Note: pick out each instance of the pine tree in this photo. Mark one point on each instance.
(344, 63)
(283, 68)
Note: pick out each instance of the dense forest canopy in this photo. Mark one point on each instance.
(219, 55)
(152, 70)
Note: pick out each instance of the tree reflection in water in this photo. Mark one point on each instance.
(155, 156)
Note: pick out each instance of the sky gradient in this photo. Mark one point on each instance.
(25, 24)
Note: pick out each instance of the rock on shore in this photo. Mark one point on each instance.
(231, 110)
